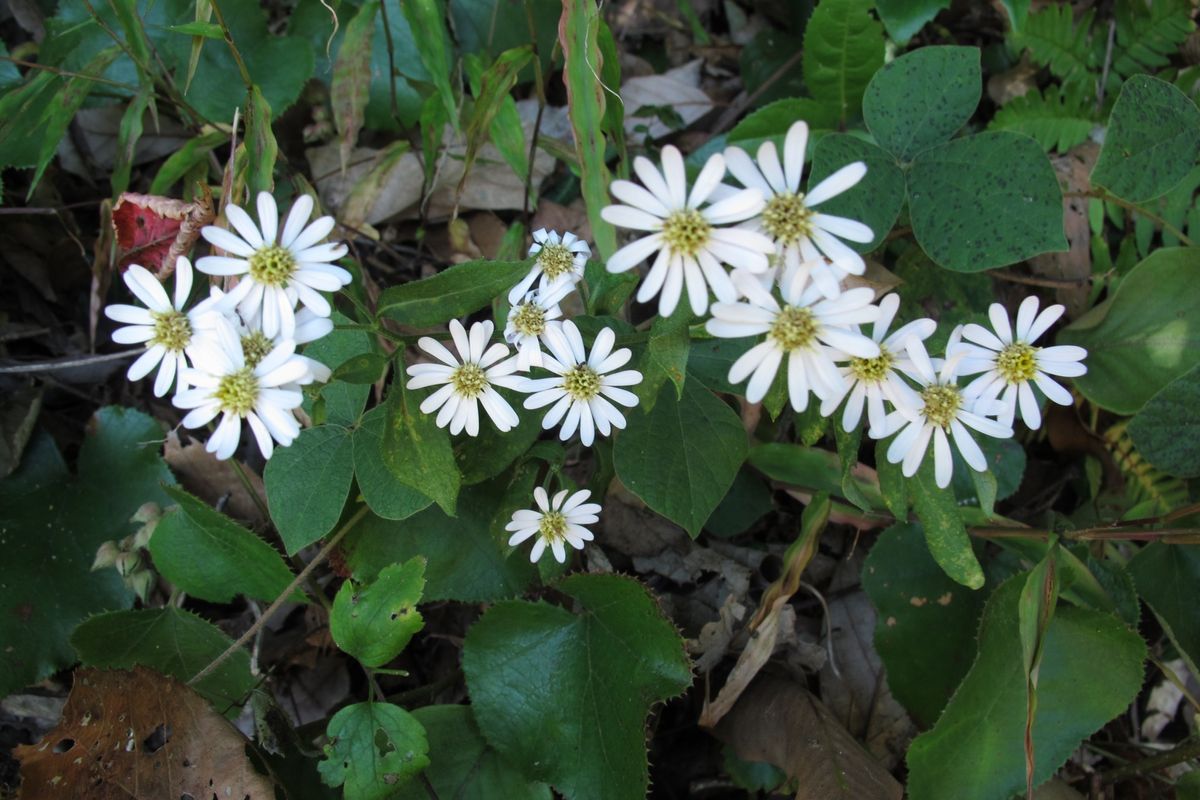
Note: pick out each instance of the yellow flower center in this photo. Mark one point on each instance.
(686, 232)
(794, 328)
(469, 380)
(941, 404)
(787, 219)
(1017, 362)
(255, 347)
(238, 392)
(581, 382)
(529, 319)
(171, 329)
(871, 370)
(272, 265)
(555, 260)
(553, 527)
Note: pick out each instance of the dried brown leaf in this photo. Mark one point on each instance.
(215, 481)
(153, 231)
(1074, 169)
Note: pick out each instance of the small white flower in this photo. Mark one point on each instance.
(277, 271)
(810, 329)
(870, 381)
(528, 320)
(225, 384)
(942, 410)
(554, 522)
(583, 384)
(790, 218)
(162, 326)
(468, 380)
(688, 239)
(560, 261)
(1012, 365)
(309, 328)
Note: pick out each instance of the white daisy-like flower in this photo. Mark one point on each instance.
(309, 327)
(1012, 365)
(560, 260)
(943, 413)
(554, 522)
(871, 381)
(162, 326)
(810, 329)
(277, 267)
(799, 231)
(584, 387)
(689, 241)
(528, 320)
(468, 380)
(225, 384)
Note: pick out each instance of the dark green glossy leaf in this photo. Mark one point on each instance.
(948, 540)
(382, 491)
(1166, 576)
(373, 748)
(843, 47)
(876, 200)
(1166, 431)
(307, 484)
(417, 451)
(451, 293)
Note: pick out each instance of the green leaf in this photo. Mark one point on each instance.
(381, 489)
(893, 486)
(1152, 142)
(944, 530)
(666, 356)
(451, 293)
(977, 740)
(813, 468)
(404, 59)
(183, 160)
(417, 451)
(352, 79)
(307, 484)
(262, 150)
(343, 401)
(495, 84)
(375, 621)
(53, 524)
(847, 450)
(878, 197)
(172, 641)
(1035, 612)
(682, 456)
(427, 18)
(1057, 119)
(905, 18)
(771, 122)
(748, 500)
(207, 30)
(1144, 336)
(463, 765)
(925, 632)
(487, 455)
(597, 674)
(1055, 40)
(365, 368)
(710, 359)
(957, 192)
(1166, 576)
(373, 748)
(1165, 430)
(923, 97)
(208, 555)
(128, 134)
(843, 47)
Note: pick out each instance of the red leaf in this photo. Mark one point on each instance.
(154, 231)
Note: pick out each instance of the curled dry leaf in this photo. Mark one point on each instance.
(139, 735)
(216, 482)
(154, 231)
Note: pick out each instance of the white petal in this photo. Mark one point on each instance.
(845, 178)
(147, 289)
(634, 253)
(850, 229)
(146, 362)
(943, 459)
(1030, 412)
(743, 168)
(1044, 320)
(631, 194)
(268, 221)
(318, 230)
(1000, 325)
(296, 218)
(707, 180)
(226, 240)
(772, 170)
(794, 150)
(632, 218)
(676, 177)
(970, 450)
(1054, 392)
(653, 181)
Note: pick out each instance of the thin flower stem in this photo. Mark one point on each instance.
(249, 487)
(391, 51)
(237, 56)
(1165, 535)
(1185, 751)
(539, 85)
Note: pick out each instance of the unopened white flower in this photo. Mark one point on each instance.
(689, 241)
(277, 268)
(468, 380)
(790, 217)
(810, 329)
(871, 381)
(527, 322)
(583, 385)
(555, 522)
(225, 384)
(1012, 365)
(559, 262)
(943, 413)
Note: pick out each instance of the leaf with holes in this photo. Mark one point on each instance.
(373, 748)
(374, 621)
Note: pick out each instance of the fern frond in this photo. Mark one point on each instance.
(1155, 491)
(1148, 33)
(1054, 40)
(1058, 118)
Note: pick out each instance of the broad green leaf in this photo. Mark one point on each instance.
(262, 150)
(1035, 612)
(53, 524)
(977, 740)
(382, 491)
(905, 18)
(682, 456)
(352, 79)
(876, 200)
(417, 451)
(921, 99)
(948, 540)
(1006, 467)
(709, 361)
(366, 368)
(957, 191)
(1144, 336)
(843, 47)
(925, 632)
(343, 402)
(174, 642)
(1166, 431)
(463, 765)
(22, 109)
(1166, 576)
(748, 500)
(404, 60)
(608, 291)
(491, 452)
(307, 484)
(427, 18)
(208, 555)
(1152, 142)
(451, 293)
(539, 676)
(893, 486)
(374, 621)
(813, 468)
(769, 70)
(666, 356)
(373, 749)
(771, 122)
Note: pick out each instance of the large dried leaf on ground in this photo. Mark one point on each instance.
(139, 735)
(154, 231)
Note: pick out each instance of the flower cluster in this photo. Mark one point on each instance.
(233, 355)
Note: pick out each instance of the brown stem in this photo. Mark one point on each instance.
(1033, 280)
(1185, 751)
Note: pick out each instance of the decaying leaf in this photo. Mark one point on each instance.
(139, 736)
(677, 89)
(216, 482)
(153, 231)
(1074, 169)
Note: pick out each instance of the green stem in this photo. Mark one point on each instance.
(1100, 194)
(237, 56)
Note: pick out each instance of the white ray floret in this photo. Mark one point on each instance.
(277, 268)
(686, 238)
(468, 380)
(1012, 365)
(560, 262)
(584, 387)
(810, 329)
(556, 521)
(528, 320)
